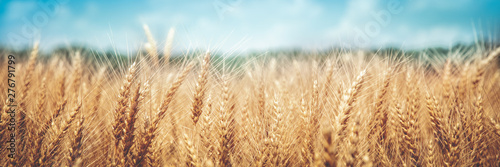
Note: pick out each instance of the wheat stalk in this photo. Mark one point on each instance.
(119, 113)
(226, 126)
(53, 150)
(75, 151)
(200, 89)
(168, 45)
(146, 142)
(151, 46)
(346, 105)
(293, 111)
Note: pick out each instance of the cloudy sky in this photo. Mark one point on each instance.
(248, 25)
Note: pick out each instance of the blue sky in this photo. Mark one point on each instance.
(247, 25)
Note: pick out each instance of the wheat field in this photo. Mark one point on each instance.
(347, 108)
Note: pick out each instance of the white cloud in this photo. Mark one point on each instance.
(259, 24)
(357, 14)
(276, 23)
(403, 33)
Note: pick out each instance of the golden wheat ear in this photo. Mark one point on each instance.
(130, 126)
(477, 138)
(151, 46)
(315, 121)
(495, 126)
(379, 122)
(145, 152)
(24, 134)
(200, 89)
(226, 126)
(411, 125)
(167, 51)
(306, 157)
(75, 152)
(77, 73)
(118, 125)
(205, 132)
(346, 105)
(192, 159)
(48, 159)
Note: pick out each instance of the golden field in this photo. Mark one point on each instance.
(347, 108)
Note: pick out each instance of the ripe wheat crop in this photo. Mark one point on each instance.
(347, 108)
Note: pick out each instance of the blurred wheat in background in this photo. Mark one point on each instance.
(346, 108)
